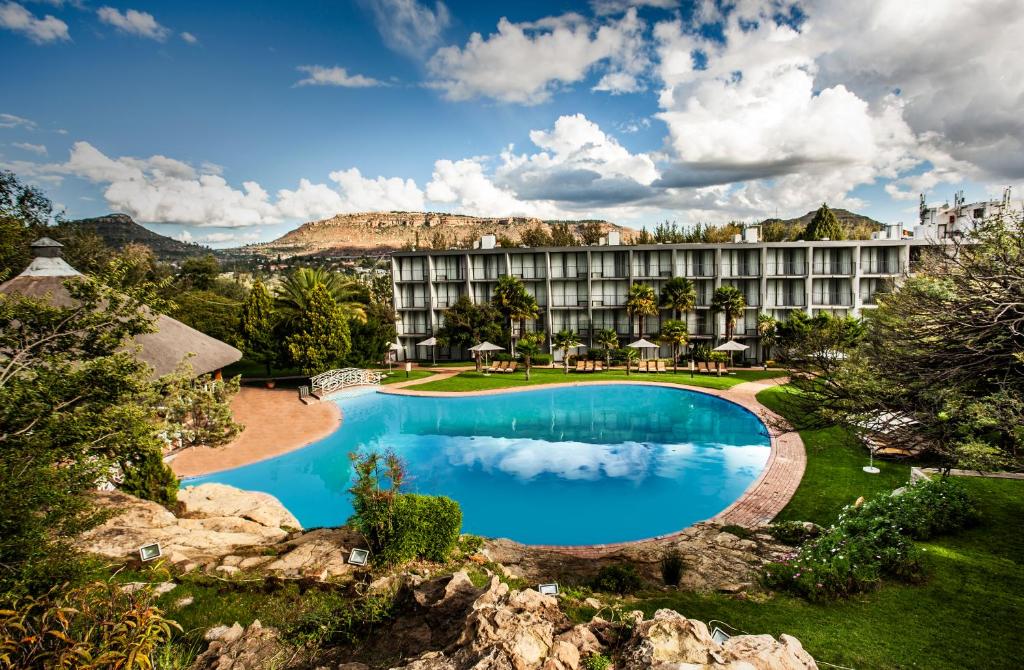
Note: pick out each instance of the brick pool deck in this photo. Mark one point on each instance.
(759, 504)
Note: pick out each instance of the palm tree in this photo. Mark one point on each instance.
(515, 303)
(768, 329)
(631, 355)
(292, 297)
(679, 295)
(640, 303)
(529, 346)
(674, 332)
(564, 340)
(729, 300)
(608, 339)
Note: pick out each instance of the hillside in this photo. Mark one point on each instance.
(117, 230)
(391, 231)
(855, 226)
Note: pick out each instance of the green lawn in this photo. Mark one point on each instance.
(475, 381)
(399, 376)
(834, 477)
(967, 614)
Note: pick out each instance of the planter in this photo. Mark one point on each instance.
(270, 383)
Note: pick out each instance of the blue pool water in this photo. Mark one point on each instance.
(582, 465)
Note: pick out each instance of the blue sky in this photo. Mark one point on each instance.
(230, 122)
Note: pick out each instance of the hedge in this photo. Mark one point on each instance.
(422, 526)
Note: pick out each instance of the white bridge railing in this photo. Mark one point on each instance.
(333, 380)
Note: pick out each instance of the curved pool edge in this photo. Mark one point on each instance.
(757, 505)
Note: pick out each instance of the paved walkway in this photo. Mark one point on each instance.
(275, 421)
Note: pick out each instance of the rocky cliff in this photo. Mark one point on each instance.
(117, 230)
(390, 231)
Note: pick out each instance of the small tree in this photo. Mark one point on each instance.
(768, 329)
(321, 337)
(824, 226)
(466, 325)
(675, 334)
(515, 303)
(565, 340)
(608, 339)
(640, 303)
(198, 410)
(529, 347)
(631, 355)
(258, 320)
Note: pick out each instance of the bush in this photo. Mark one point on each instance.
(793, 533)
(334, 619)
(501, 356)
(672, 566)
(97, 626)
(541, 359)
(874, 541)
(597, 661)
(621, 578)
(148, 477)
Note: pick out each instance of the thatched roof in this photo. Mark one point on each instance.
(162, 349)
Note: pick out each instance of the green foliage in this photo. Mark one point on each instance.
(536, 237)
(400, 527)
(620, 578)
(147, 476)
(563, 236)
(672, 566)
(542, 359)
(529, 348)
(96, 626)
(332, 619)
(210, 313)
(320, 338)
(679, 295)
(197, 410)
(597, 661)
(609, 340)
(73, 406)
(729, 301)
(676, 334)
(792, 533)
(565, 341)
(515, 303)
(370, 338)
(640, 302)
(874, 541)
(824, 226)
(295, 296)
(199, 273)
(258, 320)
(466, 324)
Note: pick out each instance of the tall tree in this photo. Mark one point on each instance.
(768, 329)
(515, 303)
(607, 339)
(257, 326)
(679, 295)
(824, 226)
(370, 338)
(24, 214)
(294, 294)
(562, 235)
(200, 272)
(536, 237)
(675, 334)
(565, 341)
(466, 325)
(320, 339)
(590, 232)
(729, 301)
(640, 302)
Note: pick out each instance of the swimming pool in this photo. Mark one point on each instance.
(590, 464)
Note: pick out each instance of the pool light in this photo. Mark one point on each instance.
(359, 556)
(548, 589)
(148, 552)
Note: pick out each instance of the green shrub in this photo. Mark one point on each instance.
(672, 566)
(502, 356)
(739, 531)
(874, 541)
(332, 619)
(597, 661)
(620, 578)
(792, 533)
(541, 359)
(148, 477)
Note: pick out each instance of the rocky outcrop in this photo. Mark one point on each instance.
(250, 648)
(714, 560)
(220, 500)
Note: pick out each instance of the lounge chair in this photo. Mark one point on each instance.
(581, 366)
(499, 366)
(590, 366)
(598, 366)
(661, 366)
(511, 367)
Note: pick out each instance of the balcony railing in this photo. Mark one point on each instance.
(557, 301)
(705, 270)
(792, 300)
(840, 268)
(741, 270)
(445, 303)
(608, 301)
(787, 268)
(884, 267)
(411, 276)
(529, 273)
(441, 275)
(651, 272)
(837, 298)
(413, 303)
(568, 273)
(486, 275)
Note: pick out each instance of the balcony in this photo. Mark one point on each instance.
(413, 303)
(445, 303)
(787, 301)
(557, 301)
(840, 268)
(707, 270)
(486, 275)
(568, 273)
(608, 301)
(882, 267)
(741, 270)
(651, 273)
(787, 269)
(529, 273)
(411, 276)
(832, 299)
(449, 276)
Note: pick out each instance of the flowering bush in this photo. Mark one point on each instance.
(874, 541)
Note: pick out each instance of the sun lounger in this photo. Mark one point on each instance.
(511, 367)
(499, 366)
(591, 366)
(661, 366)
(581, 366)
(598, 366)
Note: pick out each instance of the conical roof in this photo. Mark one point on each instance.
(162, 349)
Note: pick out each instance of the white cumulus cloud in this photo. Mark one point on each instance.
(133, 22)
(408, 26)
(41, 31)
(39, 149)
(319, 75)
(189, 38)
(14, 121)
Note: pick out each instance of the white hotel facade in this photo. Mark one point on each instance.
(584, 289)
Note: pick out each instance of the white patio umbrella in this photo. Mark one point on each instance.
(731, 346)
(393, 346)
(643, 344)
(485, 347)
(432, 343)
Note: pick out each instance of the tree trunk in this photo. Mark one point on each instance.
(675, 359)
(526, 362)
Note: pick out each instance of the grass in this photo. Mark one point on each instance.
(833, 477)
(966, 615)
(399, 376)
(475, 381)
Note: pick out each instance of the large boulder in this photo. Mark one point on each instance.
(251, 648)
(220, 500)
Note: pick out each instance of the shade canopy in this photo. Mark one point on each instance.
(486, 346)
(395, 346)
(429, 342)
(643, 344)
(731, 345)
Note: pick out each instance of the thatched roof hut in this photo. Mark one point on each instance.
(162, 349)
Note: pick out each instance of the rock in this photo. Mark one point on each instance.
(765, 653)
(322, 554)
(254, 562)
(252, 648)
(224, 633)
(231, 561)
(220, 500)
(353, 666)
(183, 602)
(582, 638)
(158, 589)
(227, 570)
(567, 654)
(593, 602)
(668, 640)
